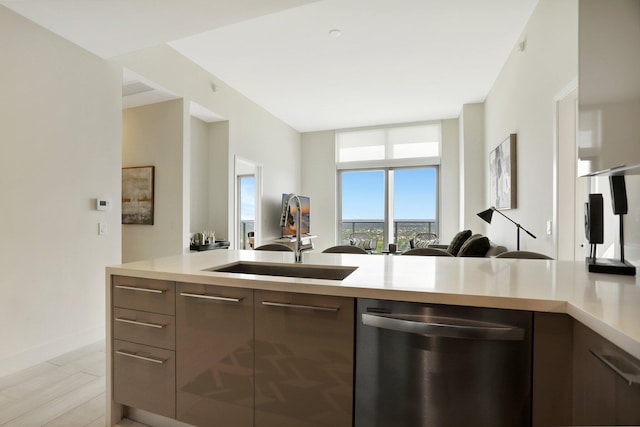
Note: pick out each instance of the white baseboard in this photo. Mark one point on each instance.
(32, 356)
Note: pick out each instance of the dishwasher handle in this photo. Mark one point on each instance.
(444, 327)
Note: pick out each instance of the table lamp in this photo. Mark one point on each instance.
(488, 214)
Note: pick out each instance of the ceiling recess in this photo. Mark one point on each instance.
(133, 87)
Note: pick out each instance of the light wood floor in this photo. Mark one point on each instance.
(67, 391)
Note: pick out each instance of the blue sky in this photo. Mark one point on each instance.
(415, 194)
(247, 198)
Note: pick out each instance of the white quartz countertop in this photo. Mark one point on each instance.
(608, 304)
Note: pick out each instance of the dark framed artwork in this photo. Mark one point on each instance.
(503, 174)
(137, 195)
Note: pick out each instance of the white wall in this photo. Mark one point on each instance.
(152, 135)
(220, 204)
(450, 179)
(318, 159)
(473, 163)
(208, 168)
(60, 118)
(253, 133)
(522, 101)
(199, 171)
(569, 186)
(264, 140)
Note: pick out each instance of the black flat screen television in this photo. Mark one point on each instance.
(290, 225)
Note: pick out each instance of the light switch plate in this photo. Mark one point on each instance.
(102, 228)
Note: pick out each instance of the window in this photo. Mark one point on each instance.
(363, 205)
(390, 205)
(405, 142)
(388, 183)
(246, 205)
(414, 203)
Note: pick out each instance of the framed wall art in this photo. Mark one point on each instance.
(502, 174)
(137, 195)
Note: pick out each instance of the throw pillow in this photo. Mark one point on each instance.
(457, 242)
(475, 246)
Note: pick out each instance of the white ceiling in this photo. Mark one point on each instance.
(396, 60)
(113, 27)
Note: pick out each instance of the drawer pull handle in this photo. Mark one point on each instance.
(213, 297)
(134, 288)
(626, 369)
(304, 307)
(145, 358)
(139, 323)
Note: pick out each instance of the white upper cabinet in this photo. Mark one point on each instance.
(609, 87)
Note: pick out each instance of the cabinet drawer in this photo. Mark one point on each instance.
(144, 294)
(144, 377)
(306, 314)
(157, 330)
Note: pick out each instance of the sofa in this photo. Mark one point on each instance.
(467, 244)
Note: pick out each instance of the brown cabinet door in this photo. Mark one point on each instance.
(552, 393)
(628, 401)
(601, 395)
(214, 351)
(593, 383)
(304, 347)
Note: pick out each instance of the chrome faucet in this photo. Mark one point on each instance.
(286, 209)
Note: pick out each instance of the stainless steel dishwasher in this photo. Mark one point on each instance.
(421, 365)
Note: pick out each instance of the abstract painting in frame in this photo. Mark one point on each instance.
(502, 174)
(137, 195)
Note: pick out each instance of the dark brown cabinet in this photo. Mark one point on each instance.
(552, 370)
(304, 347)
(580, 378)
(214, 348)
(605, 381)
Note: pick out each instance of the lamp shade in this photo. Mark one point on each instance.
(487, 215)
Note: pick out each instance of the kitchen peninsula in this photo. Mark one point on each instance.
(554, 291)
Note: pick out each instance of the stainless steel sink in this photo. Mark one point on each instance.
(328, 272)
